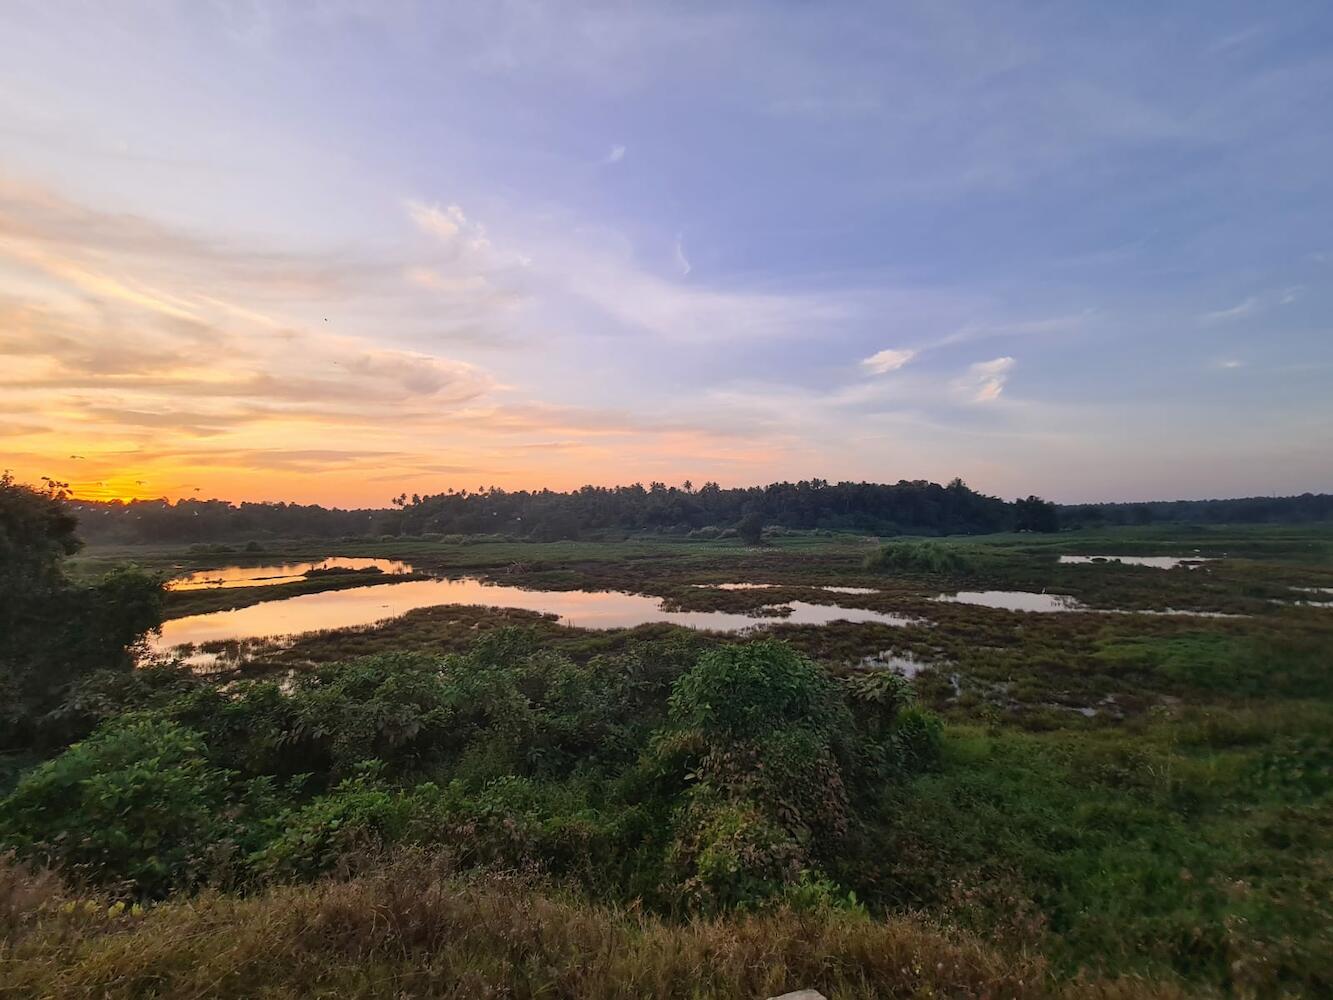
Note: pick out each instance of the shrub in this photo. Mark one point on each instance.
(921, 557)
(735, 692)
(750, 528)
(916, 739)
(357, 816)
(731, 854)
(137, 801)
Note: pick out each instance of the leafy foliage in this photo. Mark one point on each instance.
(52, 630)
(137, 802)
(646, 774)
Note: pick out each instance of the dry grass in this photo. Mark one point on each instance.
(412, 928)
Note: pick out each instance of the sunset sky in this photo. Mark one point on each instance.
(330, 252)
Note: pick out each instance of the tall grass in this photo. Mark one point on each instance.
(411, 928)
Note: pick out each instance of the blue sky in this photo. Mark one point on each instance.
(330, 251)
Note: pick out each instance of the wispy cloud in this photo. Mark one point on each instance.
(985, 380)
(888, 360)
(682, 262)
(1240, 310)
(615, 155)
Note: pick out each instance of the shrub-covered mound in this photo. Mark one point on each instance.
(692, 781)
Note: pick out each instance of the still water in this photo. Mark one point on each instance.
(265, 576)
(1157, 562)
(769, 586)
(1018, 600)
(1014, 600)
(584, 609)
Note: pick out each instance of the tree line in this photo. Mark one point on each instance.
(609, 512)
(592, 512)
(1307, 507)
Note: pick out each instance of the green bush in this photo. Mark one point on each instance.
(357, 816)
(921, 557)
(136, 802)
(735, 692)
(679, 777)
(732, 854)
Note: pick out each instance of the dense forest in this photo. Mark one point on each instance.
(600, 512)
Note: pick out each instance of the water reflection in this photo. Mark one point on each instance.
(1307, 602)
(1014, 600)
(769, 586)
(735, 586)
(1157, 562)
(584, 609)
(908, 665)
(1017, 600)
(266, 576)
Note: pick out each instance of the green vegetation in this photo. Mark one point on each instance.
(54, 630)
(471, 801)
(693, 783)
(922, 557)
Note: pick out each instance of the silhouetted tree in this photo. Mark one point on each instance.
(1036, 514)
(53, 630)
(750, 528)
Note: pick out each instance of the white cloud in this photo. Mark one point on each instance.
(888, 360)
(985, 380)
(616, 154)
(1230, 363)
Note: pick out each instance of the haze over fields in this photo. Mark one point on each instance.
(331, 252)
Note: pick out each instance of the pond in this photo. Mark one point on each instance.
(584, 609)
(267, 576)
(1157, 562)
(1018, 600)
(1014, 600)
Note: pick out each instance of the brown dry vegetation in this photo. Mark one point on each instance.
(409, 927)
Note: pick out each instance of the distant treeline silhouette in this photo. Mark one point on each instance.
(1243, 510)
(599, 512)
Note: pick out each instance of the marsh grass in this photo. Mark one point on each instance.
(409, 927)
(1196, 842)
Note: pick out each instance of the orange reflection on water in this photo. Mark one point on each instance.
(265, 576)
(584, 609)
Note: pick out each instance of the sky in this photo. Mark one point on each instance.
(335, 251)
